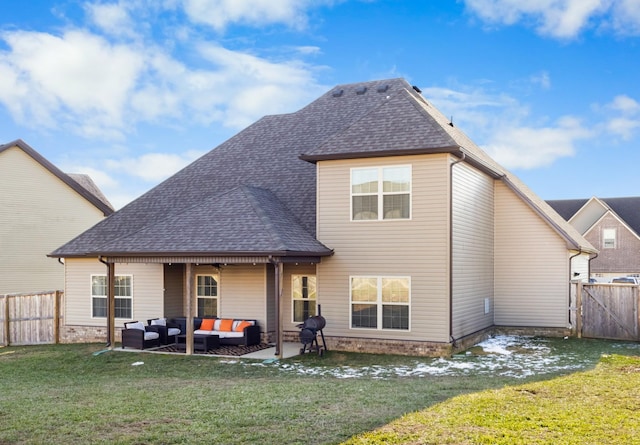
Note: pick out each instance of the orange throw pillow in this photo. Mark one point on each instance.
(207, 324)
(226, 324)
(242, 325)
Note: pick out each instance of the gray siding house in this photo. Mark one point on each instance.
(367, 203)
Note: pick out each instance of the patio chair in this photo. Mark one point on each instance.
(168, 330)
(136, 335)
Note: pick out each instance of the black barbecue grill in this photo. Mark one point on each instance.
(309, 331)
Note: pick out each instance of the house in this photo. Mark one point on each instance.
(40, 208)
(367, 205)
(612, 225)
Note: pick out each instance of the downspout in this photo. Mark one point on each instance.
(570, 279)
(109, 339)
(451, 339)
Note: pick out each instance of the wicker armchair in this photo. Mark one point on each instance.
(136, 335)
(168, 330)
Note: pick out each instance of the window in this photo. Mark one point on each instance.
(380, 193)
(123, 292)
(609, 238)
(207, 293)
(380, 302)
(303, 289)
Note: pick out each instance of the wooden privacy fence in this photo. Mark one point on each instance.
(607, 311)
(30, 319)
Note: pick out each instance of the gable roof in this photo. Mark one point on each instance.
(567, 207)
(626, 208)
(271, 162)
(82, 184)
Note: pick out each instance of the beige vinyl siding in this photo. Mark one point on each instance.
(38, 214)
(415, 248)
(147, 281)
(531, 266)
(242, 292)
(473, 235)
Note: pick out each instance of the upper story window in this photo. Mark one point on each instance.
(379, 193)
(609, 238)
(123, 294)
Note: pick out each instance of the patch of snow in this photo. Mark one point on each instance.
(507, 356)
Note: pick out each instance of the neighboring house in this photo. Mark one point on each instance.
(40, 208)
(367, 202)
(612, 225)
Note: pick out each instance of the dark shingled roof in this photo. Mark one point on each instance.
(255, 194)
(266, 155)
(567, 207)
(627, 208)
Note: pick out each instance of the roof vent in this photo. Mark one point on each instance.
(361, 90)
(417, 89)
(337, 93)
(383, 88)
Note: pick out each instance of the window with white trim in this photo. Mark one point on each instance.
(379, 193)
(123, 293)
(303, 296)
(380, 302)
(207, 295)
(609, 238)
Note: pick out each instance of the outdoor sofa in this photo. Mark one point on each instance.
(231, 331)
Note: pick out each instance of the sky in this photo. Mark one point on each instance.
(131, 91)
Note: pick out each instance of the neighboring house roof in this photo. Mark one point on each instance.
(87, 183)
(82, 184)
(567, 207)
(264, 169)
(626, 208)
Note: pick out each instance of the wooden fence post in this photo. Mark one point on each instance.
(7, 330)
(579, 310)
(56, 317)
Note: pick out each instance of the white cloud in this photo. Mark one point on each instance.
(83, 83)
(112, 18)
(219, 13)
(626, 121)
(153, 167)
(532, 147)
(564, 19)
(542, 79)
(74, 78)
(505, 129)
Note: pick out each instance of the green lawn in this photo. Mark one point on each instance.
(599, 407)
(66, 394)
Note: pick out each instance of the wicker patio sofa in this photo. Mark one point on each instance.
(231, 331)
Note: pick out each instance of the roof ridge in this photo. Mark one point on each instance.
(262, 214)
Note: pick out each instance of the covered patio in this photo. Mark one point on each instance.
(265, 352)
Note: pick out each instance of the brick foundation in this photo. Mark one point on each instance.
(85, 334)
(92, 334)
